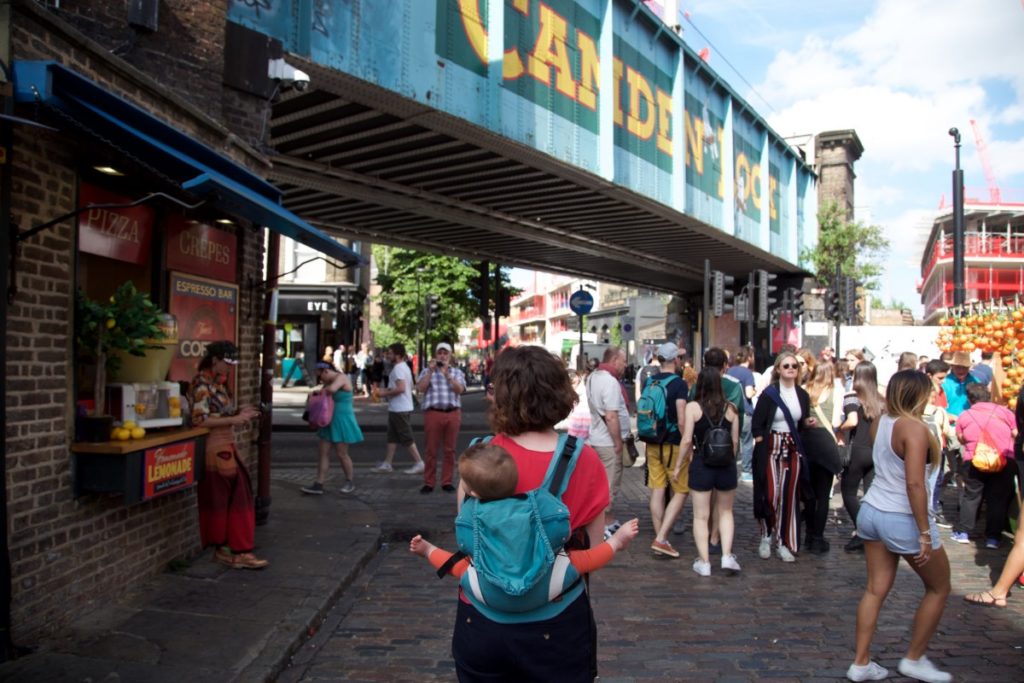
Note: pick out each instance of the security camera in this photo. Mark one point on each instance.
(287, 75)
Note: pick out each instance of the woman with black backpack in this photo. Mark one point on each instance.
(710, 440)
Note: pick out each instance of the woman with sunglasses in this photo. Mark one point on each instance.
(779, 461)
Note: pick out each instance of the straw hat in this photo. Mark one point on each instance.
(961, 358)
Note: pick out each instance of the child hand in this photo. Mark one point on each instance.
(625, 534)
(418, 546)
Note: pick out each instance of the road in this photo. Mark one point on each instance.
(657, 620)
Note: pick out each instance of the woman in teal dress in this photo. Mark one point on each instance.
(342, 431)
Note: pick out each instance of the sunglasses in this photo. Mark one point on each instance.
(789, 366)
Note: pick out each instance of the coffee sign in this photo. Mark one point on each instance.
(122, 234)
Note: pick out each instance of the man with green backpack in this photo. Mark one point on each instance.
(658, 413)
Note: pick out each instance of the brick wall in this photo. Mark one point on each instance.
(68, 554)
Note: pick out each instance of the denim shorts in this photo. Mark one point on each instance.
(897, 530)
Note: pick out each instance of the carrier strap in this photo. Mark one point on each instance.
(564, 458)
(443, 570)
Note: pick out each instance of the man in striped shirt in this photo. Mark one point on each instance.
(442, 386)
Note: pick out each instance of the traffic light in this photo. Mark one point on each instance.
(796, 302)
(765, 298)
(482, 288)
(773, 319)
(850, 300)
(833, 306)
(502, 301)
(722, 293)
(433, 311)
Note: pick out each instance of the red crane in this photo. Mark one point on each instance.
(990, 177)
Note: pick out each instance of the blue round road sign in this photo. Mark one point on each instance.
(581, 302)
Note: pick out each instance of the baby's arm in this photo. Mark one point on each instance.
(436, 556)
(586, 561)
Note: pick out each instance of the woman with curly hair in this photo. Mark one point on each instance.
(894, 522)
(532, 392)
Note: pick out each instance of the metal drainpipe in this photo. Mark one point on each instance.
(267, 381)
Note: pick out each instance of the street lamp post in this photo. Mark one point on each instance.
(959, 292)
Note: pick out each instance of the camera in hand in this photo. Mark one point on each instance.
(439, 364)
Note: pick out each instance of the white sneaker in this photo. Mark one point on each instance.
(729, 564)
(923, 670)
(784, 554)
(868, 672)
(349, 487)
(701, 567)
(764, 551)
(414, 469)
(382, 466)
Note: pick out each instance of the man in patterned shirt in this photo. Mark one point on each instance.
(442, 386)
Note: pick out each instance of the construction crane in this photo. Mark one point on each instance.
(990, 177)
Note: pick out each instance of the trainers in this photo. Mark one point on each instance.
(664, 548)
(240, 561)
(992, 543)
(729, 564)
(784, 554)
(854, 545)
(868, 672)
(383, 466)
(701, 567)
(426, 489)
(941, 521)
(923, 670)
(714, 548)
(764, 551)
(316, 489)
(747, 476)
(414, 469)
(960, 537)
(349, 487)
(679, 528)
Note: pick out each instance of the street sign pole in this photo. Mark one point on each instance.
(581, 303)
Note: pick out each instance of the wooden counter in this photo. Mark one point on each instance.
(151, 440)
(140, 469)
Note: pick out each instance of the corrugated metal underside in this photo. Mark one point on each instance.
(363, 163)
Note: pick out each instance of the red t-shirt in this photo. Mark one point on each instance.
(586, 496)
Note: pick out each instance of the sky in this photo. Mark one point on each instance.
(899, 72)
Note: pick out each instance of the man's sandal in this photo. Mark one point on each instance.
(985, 599)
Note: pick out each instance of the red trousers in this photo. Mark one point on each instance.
(227, 510)
(441, 430)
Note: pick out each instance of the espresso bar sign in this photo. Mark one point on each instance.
(201, 249)
(121, 234)
(168, 468)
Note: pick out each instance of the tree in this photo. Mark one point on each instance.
(406, 277)
(857, 249)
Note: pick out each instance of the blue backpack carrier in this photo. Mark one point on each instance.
(652, 425)
(520, 571)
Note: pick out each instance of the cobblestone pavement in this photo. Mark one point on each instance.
(657, 620)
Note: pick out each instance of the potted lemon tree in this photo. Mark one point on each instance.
(126, 323)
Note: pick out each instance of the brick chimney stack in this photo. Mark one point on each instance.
(835, 152)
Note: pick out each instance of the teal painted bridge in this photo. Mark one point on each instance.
(575, 136)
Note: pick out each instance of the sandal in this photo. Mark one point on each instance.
(985, 599)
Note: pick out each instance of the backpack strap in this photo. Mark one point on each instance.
(567, 450)
(481, 439)
(443, 570)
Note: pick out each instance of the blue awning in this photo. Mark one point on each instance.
(194, 166)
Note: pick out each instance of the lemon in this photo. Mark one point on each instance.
(140, 408)
(122, 434)
(175, 412)
(138, 433)
(129, 425)
(111, 323)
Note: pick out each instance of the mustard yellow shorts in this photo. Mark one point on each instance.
(660, 461)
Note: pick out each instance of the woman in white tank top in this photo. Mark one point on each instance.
(894, 522)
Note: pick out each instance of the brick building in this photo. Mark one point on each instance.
(102, 85)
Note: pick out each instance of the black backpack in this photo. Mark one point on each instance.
(716, 448)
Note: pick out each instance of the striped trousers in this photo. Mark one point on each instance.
(783, 479)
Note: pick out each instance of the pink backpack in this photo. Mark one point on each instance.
(319, 409)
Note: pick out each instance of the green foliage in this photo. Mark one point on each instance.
(895, 304)
(128, 323)
(384, 335)
(406, 277)
(615, 333)
(857, 249)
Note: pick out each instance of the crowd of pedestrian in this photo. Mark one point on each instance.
(811, 423)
